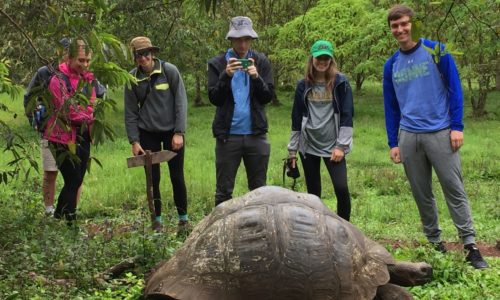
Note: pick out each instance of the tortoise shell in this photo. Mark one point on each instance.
(273, 243)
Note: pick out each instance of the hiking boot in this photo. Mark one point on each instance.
(440, 247)
(474, 257)
(183, 229)
(157, 226)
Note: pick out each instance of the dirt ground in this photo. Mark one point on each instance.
(486, 249)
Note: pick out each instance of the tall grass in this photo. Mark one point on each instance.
(114, 202)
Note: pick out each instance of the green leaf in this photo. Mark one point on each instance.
(72, 147)
(416, 29)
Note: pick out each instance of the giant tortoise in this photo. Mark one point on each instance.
(273, 243)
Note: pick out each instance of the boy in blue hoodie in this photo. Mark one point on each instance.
(424, 104)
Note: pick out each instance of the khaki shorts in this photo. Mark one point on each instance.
(48, 161)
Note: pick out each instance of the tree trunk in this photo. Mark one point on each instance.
(473, 101)
(480, 109)
(275, 101)
(197, 98)
(484, 86)
(359, 82)
(276, 78)
(497, 79)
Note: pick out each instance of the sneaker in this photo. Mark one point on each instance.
(49, 210)
(183, 229)
(157, 226)
(440, 247)
(474, 257)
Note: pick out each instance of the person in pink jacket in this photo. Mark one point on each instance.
(68, 128)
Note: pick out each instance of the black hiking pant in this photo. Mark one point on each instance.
(338, 175)
(155, 141)
(72, 168)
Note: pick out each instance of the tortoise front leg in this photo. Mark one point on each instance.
(392, 292)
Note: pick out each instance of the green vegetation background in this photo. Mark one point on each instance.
(114, 224)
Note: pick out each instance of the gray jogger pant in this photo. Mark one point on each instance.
(420, 153)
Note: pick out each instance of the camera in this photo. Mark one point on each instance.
(245, 62)
(292, 172)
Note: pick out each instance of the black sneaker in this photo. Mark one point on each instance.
(157, 226)
(440, 247)
(474, 257)
(183, 229)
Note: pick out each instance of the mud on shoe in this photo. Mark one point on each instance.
(474, 257)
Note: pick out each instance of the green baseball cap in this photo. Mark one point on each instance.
(322, 47)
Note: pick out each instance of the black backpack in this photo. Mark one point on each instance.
(34, 104)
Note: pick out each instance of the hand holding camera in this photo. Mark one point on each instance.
(244, 64)
(291, 168)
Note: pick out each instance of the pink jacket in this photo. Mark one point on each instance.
(76, 115)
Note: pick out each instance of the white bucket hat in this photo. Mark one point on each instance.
(241, 27)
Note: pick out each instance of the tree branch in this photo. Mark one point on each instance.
(304, 16)
(460, 31)
(171, 28)
(477, 19)
(441, 25)
(122, 8)
(25, 35)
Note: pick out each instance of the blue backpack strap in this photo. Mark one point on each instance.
(431, 45)
(437, 62)
(393, 58)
